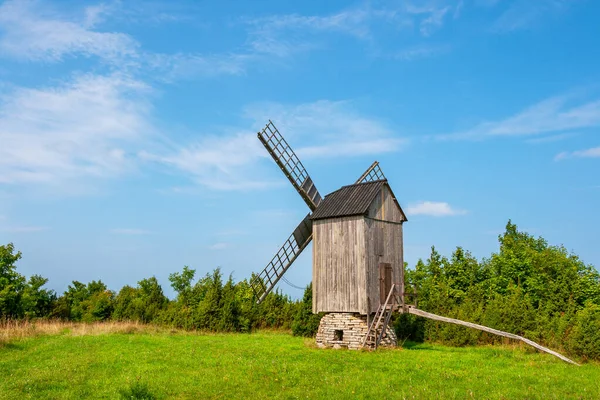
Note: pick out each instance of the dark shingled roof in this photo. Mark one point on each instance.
(349, 200)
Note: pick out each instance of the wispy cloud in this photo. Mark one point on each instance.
(131, 231)
(217, 162)
(23, 229)
(434, 20)
(231, 232)
(551, 138)
(219, 246)
(283, 35)
(421, 51)
(329, 129)
(82, 128)
(178, 66)
(353, 149)
(553, 115)
(526, 14)
(593, 152)
(433, 209)
(354, 22)
(231, 161)
(33, 32)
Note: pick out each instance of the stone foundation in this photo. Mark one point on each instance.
(348, 330)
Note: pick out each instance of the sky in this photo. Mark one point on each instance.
(128, 141)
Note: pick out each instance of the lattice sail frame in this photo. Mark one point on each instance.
(373, 173)
(263, 283)
(294, 170)
(290, 164)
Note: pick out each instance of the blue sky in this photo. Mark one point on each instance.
(128, 129)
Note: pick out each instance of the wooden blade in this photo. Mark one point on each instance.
(425, 314)
(373, 173)
(263, 283)
(290, 164)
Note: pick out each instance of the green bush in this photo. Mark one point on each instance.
(584, 339)
(306, 323)
(528, 287)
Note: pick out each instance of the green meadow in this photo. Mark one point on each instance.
(69, 363)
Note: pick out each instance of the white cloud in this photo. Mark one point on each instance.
(217, 162)
(420, 52)
(359, 21)
(328, 129)
(219, 246)
(283, 35)
(526, 14)
(170, 67)
(434, 209)
(353, 22)
(434, 21)
(232, 232)
(320, 129)
(80, 129)
(32, 32)
(551, 138)
(593, 152)
(355, 148)
(130, 231)
(23, 229)
(552, 115)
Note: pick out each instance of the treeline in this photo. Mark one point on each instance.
(528, 287)
(209, 303)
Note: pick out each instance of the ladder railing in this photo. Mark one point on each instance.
(381, 320)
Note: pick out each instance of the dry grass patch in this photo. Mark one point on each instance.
(11, 331)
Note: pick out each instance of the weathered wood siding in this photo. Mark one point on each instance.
(347, 252)
(383, 245)
(339, 275)
(385, 208)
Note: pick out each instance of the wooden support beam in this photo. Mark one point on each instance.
(425, 314)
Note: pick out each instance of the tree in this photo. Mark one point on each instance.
(91, 302)
(12, 283)
(18, 297)
(182, 283)
(306, 323)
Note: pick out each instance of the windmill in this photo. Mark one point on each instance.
(358, 264)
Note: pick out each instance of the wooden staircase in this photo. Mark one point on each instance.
(379, 324)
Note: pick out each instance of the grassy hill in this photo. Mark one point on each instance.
(109, 360)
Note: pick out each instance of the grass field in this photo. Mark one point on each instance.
(105, 361)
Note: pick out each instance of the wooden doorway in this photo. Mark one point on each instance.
(385, 281)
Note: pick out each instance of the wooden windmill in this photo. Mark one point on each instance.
(358, 262)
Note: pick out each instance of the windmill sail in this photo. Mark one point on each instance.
(263, 283)
(290, 164)
(373, 173)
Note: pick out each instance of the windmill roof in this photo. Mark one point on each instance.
(349, 200)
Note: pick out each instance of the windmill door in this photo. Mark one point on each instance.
(385, 281)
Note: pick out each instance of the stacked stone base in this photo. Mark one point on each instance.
(353, 327)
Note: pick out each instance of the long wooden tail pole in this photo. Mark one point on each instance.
(425, 314)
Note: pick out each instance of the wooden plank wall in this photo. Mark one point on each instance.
(346, 256)
(390, 237)
(387, 209)
(339, 275)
